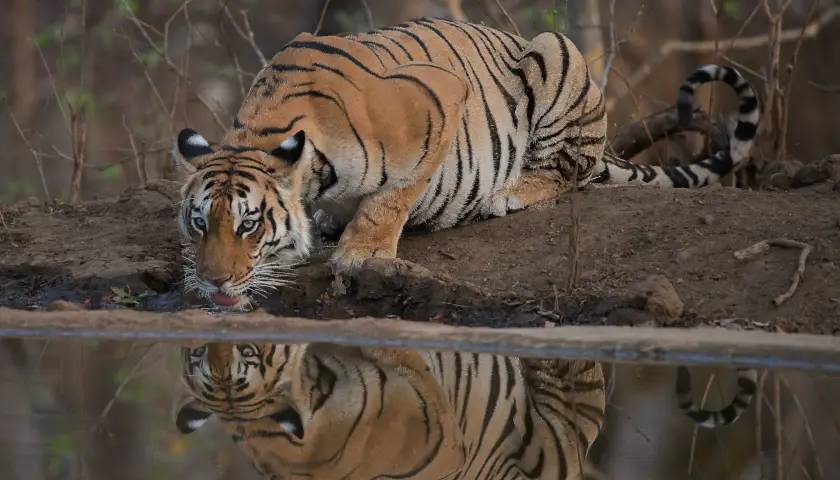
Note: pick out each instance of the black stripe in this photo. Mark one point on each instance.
(264, 132)
(564, 71)
(398, 44)
(413, 36)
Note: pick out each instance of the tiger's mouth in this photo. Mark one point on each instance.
(225, 300)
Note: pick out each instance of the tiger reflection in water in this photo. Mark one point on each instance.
(320, 411)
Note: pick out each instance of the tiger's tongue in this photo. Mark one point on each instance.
(224, 300)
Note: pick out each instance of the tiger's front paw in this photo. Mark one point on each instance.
(348, 260)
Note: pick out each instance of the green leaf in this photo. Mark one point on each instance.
(112, 173)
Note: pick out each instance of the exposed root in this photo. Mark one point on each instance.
(764, 245)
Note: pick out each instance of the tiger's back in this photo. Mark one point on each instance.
(521, 100)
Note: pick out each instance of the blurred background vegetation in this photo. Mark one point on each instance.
(94, 90)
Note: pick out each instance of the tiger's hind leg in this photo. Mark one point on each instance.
(534, 187)
(567, 111)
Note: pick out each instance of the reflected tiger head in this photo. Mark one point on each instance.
(322, 409)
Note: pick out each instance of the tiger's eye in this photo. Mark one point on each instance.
(199, 223)
(198, 352)
(247, 351)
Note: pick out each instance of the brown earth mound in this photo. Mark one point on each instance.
(499, 272)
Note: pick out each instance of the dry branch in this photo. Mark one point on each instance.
(702, 346)
(246, 32)
(764, 245)
(455, 10)
(36, 155)
(508, 17)
(163, 53)
(634, 138)
(321, 17)
(671, 47)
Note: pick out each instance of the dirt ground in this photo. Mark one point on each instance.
(510, 271)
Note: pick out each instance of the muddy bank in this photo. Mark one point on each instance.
(510, 271)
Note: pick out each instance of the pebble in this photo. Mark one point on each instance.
(660, 297)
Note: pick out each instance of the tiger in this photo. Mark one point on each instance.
(424, 125)
(329, 412)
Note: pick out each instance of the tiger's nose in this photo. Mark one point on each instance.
(218, 280)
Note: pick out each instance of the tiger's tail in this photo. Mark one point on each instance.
(614, 170)
(747, 385)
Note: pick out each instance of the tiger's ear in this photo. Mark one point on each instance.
(192, 145)
(291, 149)
(191, 416)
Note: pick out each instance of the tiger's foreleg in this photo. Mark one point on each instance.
(375, 228)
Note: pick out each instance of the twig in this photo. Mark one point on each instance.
(456, 10)
(369, 14)
(764, 245)
(138, 163)
(825, 88)
(508, 17)
(696, 430)
(35, 154)
(777, 406)
(321, 18)
(759, 440)
(613, 47)
(247, 34)
(79, 131)
(120, 388)
(708, 46)
(791, 69)
(54, 88)
(164, 54)
(808, 431)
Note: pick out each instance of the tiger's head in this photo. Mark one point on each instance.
(242, 210)
(323, 410)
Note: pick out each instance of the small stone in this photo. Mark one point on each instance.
(831, 164)
(810, 174)
(707, 219)
(33, 201)
(779, 175)
(683, 255)
(660, 297)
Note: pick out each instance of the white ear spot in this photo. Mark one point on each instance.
(288, 427)
(196, 423)
(290, 143)
(198, 141)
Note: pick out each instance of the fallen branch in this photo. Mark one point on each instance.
(764, 245)
(702, 346)
(632, 139)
